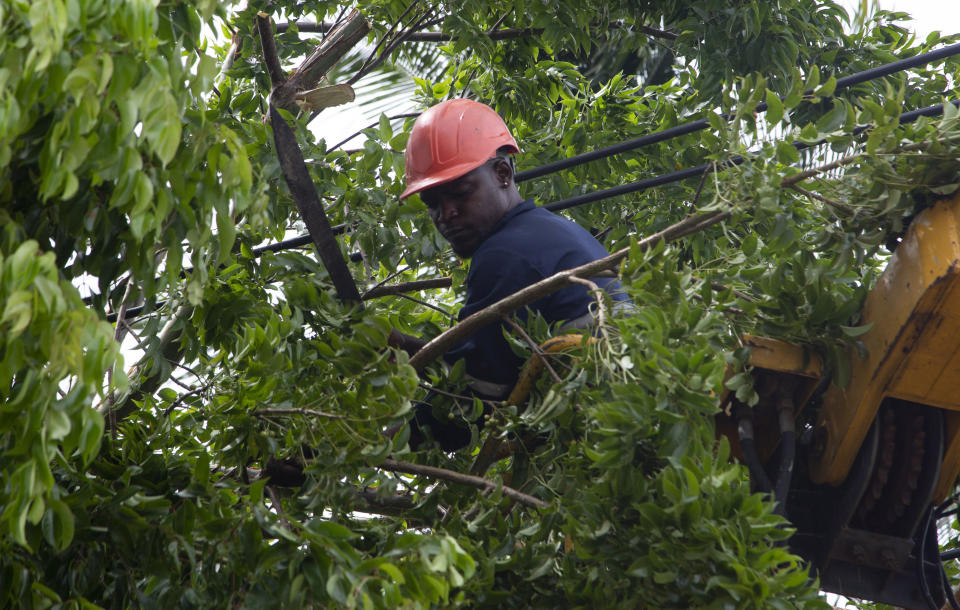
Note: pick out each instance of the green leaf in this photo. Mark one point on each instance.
(856, 331)
(774, 107)
(834, 119)
(787, 153)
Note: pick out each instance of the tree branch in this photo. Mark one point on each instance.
(461, 479)
(430, 305)
(169, 349)
(269, 45)
(308, 74)
(830, 202)
(597, 292)
(371, 125)
(533, 346)
(311, 210)
(393, 289)
(313, 412)
(507, 305)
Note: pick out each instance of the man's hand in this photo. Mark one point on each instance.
(407, 343)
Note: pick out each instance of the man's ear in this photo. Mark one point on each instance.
(503, 171)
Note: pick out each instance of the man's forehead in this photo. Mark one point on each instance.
(468, 178)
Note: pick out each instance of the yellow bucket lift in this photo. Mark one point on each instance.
(883, 451)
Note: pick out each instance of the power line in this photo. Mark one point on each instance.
(699, 125)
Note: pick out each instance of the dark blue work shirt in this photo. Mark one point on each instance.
(527, 245)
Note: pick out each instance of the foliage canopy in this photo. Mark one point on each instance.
(137, 162)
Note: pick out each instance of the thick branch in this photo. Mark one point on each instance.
(311, 210)
(269, 46)
(461, 479)
(392, 289)
(508, 305)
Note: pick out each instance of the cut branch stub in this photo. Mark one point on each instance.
(340, 40)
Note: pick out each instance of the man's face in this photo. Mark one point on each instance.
(465, 210)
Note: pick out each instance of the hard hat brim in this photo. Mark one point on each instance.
(448, 174)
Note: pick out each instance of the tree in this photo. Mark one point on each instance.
(139, 161)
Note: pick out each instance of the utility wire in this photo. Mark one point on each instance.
(694, 126)
(683, 174)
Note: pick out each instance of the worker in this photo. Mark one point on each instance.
(458, 160)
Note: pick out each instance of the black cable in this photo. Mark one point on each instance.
(745, 433)
(694, 126)
(944, 511)
(922, 575)
(947, 590)
(683, 174)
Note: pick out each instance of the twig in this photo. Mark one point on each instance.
(412, 286)
(168, 348)
(179, 400)
(461, 479)
(380, 43)
(830, 202)
(371, 125)
(598, 295)
(419, 23)
(388, 278)
(477, 320)
(228, 60)
(189, 369)
(336, 22)
(810, 173)
(269, 45)
(436, 390)
(740, 295)
(275, 500)
(268, 412)
(118, 335)
(533, 346)
(181, 384)
(703, 181)
(430, 305)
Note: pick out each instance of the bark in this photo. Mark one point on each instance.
(311, 209)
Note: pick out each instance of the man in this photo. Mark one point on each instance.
(457, 159)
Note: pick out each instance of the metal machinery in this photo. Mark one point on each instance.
(860, 470)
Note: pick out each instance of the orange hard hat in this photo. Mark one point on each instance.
(451, 139)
